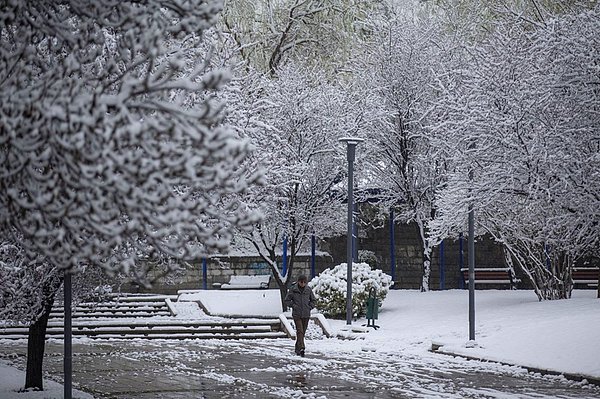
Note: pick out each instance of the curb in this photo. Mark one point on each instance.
(439, 348)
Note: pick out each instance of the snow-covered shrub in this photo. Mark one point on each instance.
(369, 257)
(330, 288)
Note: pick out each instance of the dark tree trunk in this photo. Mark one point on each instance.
(283, 294)
(36, 340)
(35, 349)
(283, 285)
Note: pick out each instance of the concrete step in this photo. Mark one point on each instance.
(250, 335)
(112, 304)
(115, 307)
(77, 315)
(167, 321)
(154, 328)
(123, 301)
(147, 316)
(148, 308)
(163, 322)
(145, 330)
(141, 297)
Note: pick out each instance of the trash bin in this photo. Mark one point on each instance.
(372, 308)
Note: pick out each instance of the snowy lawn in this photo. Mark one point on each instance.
(12, 380)
(511, 327)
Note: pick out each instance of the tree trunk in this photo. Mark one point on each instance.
(426, 256)
(426, 271)
(509, 263)
(283, 284)
(283, 293)
(35, 349)
(549, 283)
(554, 280)
(283, 289)
(36, 340)
(282, 281)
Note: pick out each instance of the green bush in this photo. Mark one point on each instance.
(330, 289)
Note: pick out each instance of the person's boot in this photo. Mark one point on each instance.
(302, 353)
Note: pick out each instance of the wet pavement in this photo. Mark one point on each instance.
(137, 369)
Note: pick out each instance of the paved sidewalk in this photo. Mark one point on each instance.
(441, 349)
(268, 369)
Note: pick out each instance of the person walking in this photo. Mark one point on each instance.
(301, 299)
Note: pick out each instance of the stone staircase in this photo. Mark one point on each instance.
(148, 317)
(125, 305)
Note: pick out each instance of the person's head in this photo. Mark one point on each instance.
(302, 281)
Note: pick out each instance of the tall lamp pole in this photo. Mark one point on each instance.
(68, 348)
(471, 246)
(351, 143)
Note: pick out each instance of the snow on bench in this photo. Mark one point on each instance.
(490, 275)
(247, 282)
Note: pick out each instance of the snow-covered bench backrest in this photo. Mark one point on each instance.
(247, 282)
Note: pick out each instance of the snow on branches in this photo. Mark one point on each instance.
(400, 69)
(29, 286)
(294, 120)
(524, 120)
(24, 285)
(111, 141)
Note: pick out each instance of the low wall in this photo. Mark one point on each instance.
(220, 269)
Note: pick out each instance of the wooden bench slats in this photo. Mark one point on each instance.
(585, 276)
(490, 275)
(581, 276)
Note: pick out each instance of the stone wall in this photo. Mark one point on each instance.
(220, 269)
(409, 255)
(373, 245)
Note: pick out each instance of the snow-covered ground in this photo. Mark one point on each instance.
(511, 327)
(236, 302)
(12, 380)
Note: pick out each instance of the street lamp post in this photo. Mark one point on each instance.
(351, 143)
(471, 245)
(68, 348)
(471, 249)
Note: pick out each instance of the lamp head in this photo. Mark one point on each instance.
(351, 140)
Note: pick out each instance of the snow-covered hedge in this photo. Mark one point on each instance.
(330, 288)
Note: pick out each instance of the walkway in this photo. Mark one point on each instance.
(136, 369)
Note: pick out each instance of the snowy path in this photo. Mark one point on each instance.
(267, 369)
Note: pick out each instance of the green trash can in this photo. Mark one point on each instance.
(372, 308)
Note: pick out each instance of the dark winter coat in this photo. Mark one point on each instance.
(300, 300)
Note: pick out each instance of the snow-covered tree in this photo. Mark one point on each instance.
(294, 101)
(111, 143)
(473, 20)
(267, 34)
(523, 117)
(27, 294)
(22, 293)
(402, 61)
(27, 287)
(294, 121)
